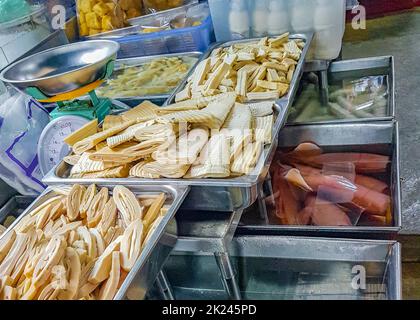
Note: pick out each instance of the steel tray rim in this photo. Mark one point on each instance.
(145, 59)
(393, 128)
(178, 194)
(283, 107)
(359, 64)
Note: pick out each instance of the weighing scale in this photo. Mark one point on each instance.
(70, 87)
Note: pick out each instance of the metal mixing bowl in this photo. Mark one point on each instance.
(62, 69)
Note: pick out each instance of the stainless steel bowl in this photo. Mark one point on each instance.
(62, 69)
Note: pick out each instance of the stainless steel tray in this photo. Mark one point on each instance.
(285, 101)
(157, 99)
(155, 253)
(380, 137)
(15, 207)
(292, 268)
(206, 232)
(225, 195)
(373, 66)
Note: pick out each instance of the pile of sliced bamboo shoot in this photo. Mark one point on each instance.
(79, 244)
(217, 128)
(224, 139)
(259, 70)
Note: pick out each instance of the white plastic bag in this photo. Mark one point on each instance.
(21, 123)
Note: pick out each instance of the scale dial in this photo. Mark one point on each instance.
(51, 146)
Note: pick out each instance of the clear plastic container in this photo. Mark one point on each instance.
(329, 29)
(220, 17)
(96, 16)
(151, 6)
(278, 17)
(326, 18)
(301, 15)
(239, 25)
(190, 39)
(21, 35)
(260, 16)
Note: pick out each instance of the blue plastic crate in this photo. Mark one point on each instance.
(196, 38)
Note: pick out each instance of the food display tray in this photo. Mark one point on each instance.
(15, 206)
(222, 195)
(380, 137)
(358, 68)
(293, 268)
(156, 251)
(374, 66)
(287, 100)
(138, 61)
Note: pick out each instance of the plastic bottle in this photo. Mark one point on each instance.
(219, 10)
(343, 13)
(239, 19)
(328, 25)
(278, 18)
(302, 13)
(259, 19)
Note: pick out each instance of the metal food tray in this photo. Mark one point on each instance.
(363, 67)
(225, 195)
(374, 66)
(15, 207)
(293, 268)
(154, 255)
(380, 137)
(285, 101)
(158, 99)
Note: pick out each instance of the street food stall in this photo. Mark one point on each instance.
(186, 151)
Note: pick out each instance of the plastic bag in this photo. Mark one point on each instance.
(314, 187)
(21, 123)
(13, 9)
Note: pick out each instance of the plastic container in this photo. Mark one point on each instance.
(328, 28)
(96, 16)
(301, 15)
(325, 18)
(152, 6)
(239, 25)
(172, 41)
(278, 18)
(220, 17)
(260, 15)
(20, 35)
(161, 20)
